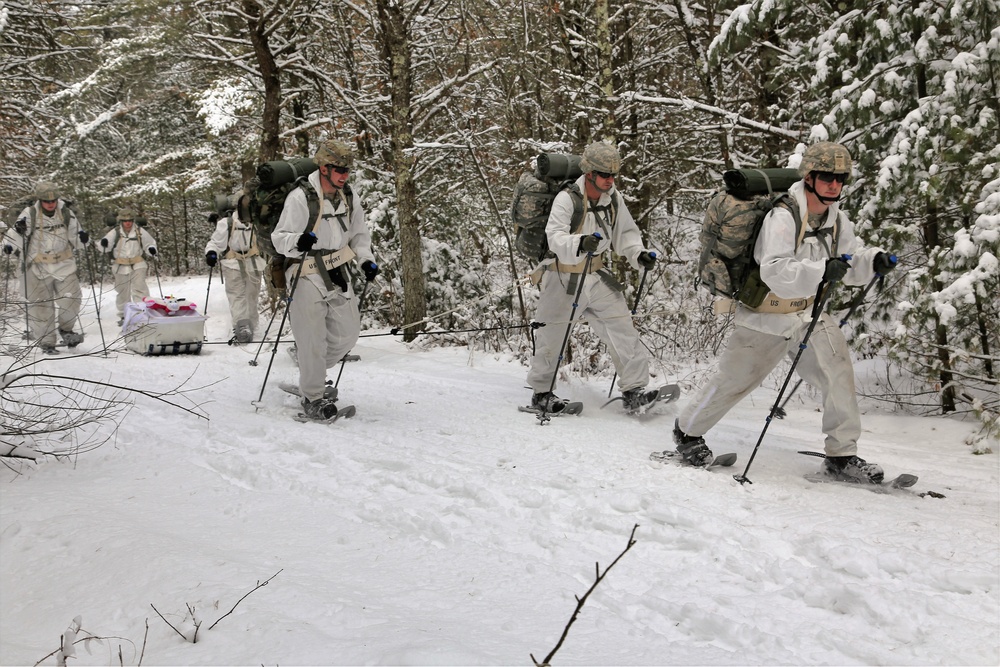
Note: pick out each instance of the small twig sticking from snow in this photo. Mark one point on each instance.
(168, 623)
(197, 624)
(259, 585)
(580, 601)
(145, 636)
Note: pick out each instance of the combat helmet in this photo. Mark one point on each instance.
(336, 153)
(601, 156)
(126, 214)
(46, 191)
(826, 156)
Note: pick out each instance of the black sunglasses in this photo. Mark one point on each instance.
(830, 177)
(339, 170)
(49, 201)
(604, 174)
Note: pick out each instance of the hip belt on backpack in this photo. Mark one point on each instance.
(596, 265)
(128, 260)
(770, 304)
(52, 257)
(331, 260)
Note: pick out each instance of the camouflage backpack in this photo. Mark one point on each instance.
(726, 266)
(533, 196)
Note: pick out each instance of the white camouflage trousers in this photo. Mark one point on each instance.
(45, 297)
(326, 327)
(751, 355)
(130, 285)
(608, 315)
(243, 292)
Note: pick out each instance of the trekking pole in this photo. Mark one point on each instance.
(277, 338)
(635, 307)
(97, 305)
(543, 417)
(343, 361)
(253, 362)
(24, 282)
(855, 304)
(822, 294)
(156, 270)
(209, 290)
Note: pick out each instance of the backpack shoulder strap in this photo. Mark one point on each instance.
(785, 201)
(579, 205)
(312, 202)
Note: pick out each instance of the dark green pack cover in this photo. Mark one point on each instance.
(726, 266)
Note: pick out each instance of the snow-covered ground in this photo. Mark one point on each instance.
(441, 526)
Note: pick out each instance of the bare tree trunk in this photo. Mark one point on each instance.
(270, 75)
(396, 53)
(605, 74)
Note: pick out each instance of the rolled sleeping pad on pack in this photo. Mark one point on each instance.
(278, 172)
(558, 166)
(749, 183)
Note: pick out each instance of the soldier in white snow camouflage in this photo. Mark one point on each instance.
(764, 335)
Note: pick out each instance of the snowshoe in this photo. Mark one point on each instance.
(692, 448)
(329, 392)
(853, 469)
(244, 334)
(71, 338)
(548, 403)
(638, 401)
(673, 456)
(344, 412)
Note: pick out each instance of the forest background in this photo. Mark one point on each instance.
(161, 105)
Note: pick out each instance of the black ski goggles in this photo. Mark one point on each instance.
(338, 169)
(604, 174)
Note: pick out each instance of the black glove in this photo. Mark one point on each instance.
(104, 243)
(152, 251)
(84, 236)
(370, 268)
(7, 249)
(836, 269)
(884, 263)
(647, 260)
(305, 242)
(21, 226)
(588, 243)
(211, 258)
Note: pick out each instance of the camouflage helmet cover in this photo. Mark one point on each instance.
(601, 156)
(125, 214)
(336, 153)
(826, 156)
(46, 191)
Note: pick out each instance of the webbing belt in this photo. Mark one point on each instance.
(596, 265)
(53, 257)
(331, 260)
(770, 304)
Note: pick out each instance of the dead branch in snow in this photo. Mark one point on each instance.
(259, 585)
(63, 415)
(68, 641)
(197, 623)
(580, 601)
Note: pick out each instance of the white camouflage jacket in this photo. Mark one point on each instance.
(792, 273)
